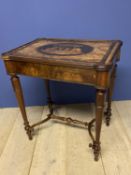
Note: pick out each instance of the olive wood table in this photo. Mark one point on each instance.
(86, 62)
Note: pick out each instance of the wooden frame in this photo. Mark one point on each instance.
(99, 74)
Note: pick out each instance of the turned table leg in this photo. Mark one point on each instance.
(19, 95)
(109, 97)
(100, 98)
(49, 100)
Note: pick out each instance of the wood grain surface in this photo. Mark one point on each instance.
(60, 149)
(65, 51)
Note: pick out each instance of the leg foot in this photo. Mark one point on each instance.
(29, 132)
(108, 115)
(96, 148)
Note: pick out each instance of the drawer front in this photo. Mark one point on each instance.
(60, 73)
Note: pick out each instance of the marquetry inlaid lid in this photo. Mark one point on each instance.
(65, 51)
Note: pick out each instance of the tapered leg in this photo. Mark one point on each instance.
(100, 98)
(109, 97)
(19, 95)
(49, 100)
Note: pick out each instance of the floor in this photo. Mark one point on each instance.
(59, 149)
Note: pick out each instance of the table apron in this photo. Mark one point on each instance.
(59, 73)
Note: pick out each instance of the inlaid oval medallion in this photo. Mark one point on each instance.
(65, 49)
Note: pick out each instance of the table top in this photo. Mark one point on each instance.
(71, 52)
